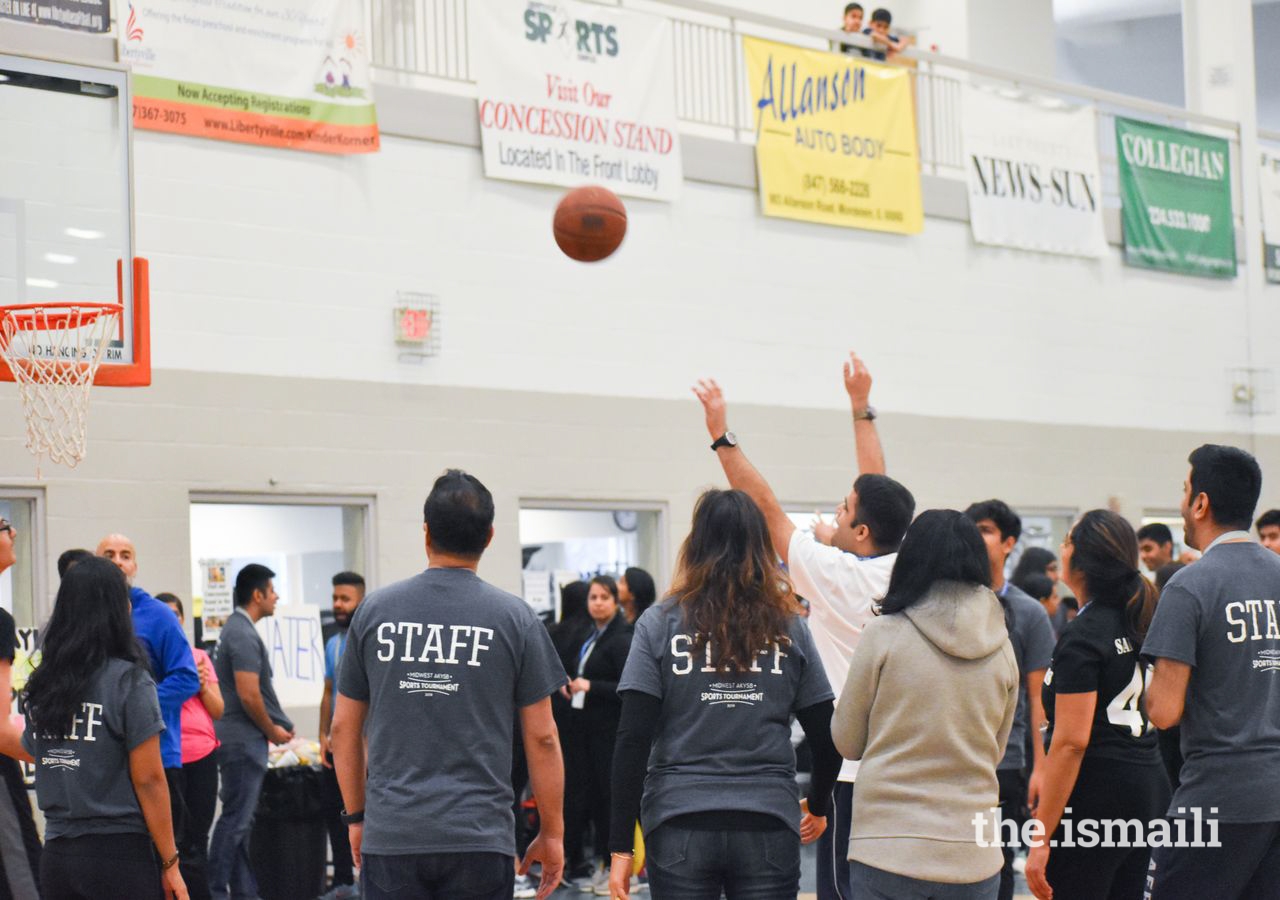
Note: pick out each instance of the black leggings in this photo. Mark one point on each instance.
(200, 797)
(100, 867)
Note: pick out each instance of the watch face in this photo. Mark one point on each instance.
(731, 439)
(626, 519)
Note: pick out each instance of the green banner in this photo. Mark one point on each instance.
(1175, 188)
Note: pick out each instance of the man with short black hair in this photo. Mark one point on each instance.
(1155, 545)
(348, 591)
(852, 24)
(1269, 530)
(1215, 645)
(252, 718)
(435, 669)
(893, 44)
(1031, 634)
(68, 558)
(842, 581)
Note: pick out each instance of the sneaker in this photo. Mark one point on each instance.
(342, 892)
(526, 887)
(600, 883)
(577, 876)
(639, 884)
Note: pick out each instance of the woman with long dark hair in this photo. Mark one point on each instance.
(93, 732)
(1103, 758)
(716, 671)
(927, 708)
(636, 592)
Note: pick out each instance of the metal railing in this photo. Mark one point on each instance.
(427, 40)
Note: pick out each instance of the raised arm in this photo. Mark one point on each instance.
(857, 384)
(742, 475)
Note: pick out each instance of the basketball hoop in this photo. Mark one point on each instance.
(53, 351)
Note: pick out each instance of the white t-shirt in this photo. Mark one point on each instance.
(841, 589)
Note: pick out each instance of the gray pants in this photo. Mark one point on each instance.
(876, 884)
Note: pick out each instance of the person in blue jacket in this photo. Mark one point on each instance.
(172, 665)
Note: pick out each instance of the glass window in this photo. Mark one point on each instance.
(20, 585)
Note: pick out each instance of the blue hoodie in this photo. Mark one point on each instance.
(172, 664)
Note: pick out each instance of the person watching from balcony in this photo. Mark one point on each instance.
(887, 45)
(853, 14)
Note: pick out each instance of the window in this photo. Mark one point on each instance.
(22, 590)
(1045, 528)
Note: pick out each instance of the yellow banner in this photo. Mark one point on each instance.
(835, 138)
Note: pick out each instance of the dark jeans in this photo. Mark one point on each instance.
(242, 768)
(870, 883)
(339, 837)
(1013, 806)
(1245, 867)
(684, 864)
(833, 846)
(100, 867)
(438, 876)
(200, 793)
(19, 842)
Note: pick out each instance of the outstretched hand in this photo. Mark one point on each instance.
(549, 852)
(713, 405)
(857, 381)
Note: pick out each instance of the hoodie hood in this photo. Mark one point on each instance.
(962, 620)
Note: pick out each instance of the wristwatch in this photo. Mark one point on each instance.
(354, 818)
(728, 439)
(869, 414)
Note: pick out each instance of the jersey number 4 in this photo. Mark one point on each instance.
(1125, 711)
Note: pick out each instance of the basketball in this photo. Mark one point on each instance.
(590, 223)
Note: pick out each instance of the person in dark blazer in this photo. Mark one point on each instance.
(595, 669)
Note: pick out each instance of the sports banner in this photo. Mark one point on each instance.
(1271, 214)
(289, 73)
(78, 15)
(1034, 178)
(573, 93)
(835, 138)
(1175, 190)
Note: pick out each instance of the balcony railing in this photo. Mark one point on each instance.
(425, 42)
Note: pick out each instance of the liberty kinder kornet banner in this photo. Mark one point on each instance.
(1270, 180)
(1175, 189)
(835, 138)
(576, 93)
(1034, 177)
(284, 73)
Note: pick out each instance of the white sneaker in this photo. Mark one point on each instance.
(1020, 864)
(600, 884)
(526, 887)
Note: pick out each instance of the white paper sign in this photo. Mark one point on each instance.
(574, 93)
(1033, 174)
(216, 596)
(295, 647)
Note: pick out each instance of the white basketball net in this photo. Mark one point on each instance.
(54, 351)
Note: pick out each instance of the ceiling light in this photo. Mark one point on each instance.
(41, 283)
(86, 234)
(62, 259)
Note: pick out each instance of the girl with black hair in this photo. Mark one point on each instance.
(636, 592)
(93, 732)
(928, 707)
(1103, 758)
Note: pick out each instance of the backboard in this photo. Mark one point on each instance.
(66, 201)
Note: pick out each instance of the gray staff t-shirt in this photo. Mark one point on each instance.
(82, 780)
(444, 661)
(1031, 634)
(1221, 616)
(724, 739)
(240, 649)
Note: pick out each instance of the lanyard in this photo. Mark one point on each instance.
(1229, 536)
(585, 652)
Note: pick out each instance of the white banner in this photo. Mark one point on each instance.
(574, 93)
(1270, 179)
(1033, 174)
(295, 646)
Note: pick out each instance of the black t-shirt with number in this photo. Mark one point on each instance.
(1096, 654)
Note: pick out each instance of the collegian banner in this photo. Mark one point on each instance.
(1175, 190)
(289, 73)
(1033, 174)
(835, 138)
(572, 93)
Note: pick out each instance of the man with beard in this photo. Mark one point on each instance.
(348, 591)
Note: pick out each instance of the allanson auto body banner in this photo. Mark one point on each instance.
(835, 138)
(280, 73)
(576, 93)
(1034, 180)
(1175, 189)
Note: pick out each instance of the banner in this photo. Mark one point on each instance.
(78, 15)
(835, 138)
(289, 73)
(1034, 178)
(295, 647)
(1271, 214)
(573, 93)
(1175, 189)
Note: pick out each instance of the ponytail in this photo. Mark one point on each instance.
(1140, 609)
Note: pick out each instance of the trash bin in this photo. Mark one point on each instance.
(289, 843)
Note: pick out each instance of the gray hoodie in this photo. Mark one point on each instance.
(927, 707)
